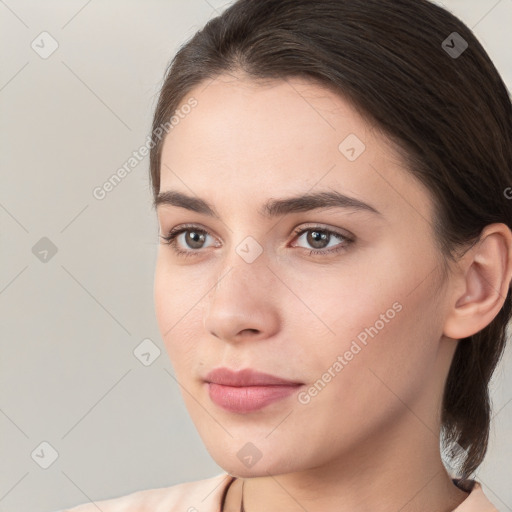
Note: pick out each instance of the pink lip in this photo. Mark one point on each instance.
(247, 390)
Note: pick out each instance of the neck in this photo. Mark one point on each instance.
(399, 471)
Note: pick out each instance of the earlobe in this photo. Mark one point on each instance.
(485, 277)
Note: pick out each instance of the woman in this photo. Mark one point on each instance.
(332, 284)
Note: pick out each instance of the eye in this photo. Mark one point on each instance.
(188, 240)
(320, 239)
(189, 236)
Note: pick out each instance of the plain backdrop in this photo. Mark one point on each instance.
(81, 417)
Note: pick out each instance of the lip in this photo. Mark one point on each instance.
(246, 377)
(247, 390)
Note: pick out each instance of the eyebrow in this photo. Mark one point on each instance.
(273, 207)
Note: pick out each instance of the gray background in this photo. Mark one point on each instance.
(69, 325)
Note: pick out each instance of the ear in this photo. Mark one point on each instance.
(481, 284)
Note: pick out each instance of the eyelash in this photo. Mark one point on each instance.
(170, 239)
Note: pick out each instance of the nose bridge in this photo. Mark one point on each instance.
(239, 300)
(245, 266)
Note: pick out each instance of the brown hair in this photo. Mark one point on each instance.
(449, 114)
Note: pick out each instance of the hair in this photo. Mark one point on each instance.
(450, 117)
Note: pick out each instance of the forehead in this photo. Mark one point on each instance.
(274, 114)
(283, 137)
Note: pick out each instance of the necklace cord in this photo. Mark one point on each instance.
(242, 509)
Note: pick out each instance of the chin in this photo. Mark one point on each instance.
(238, 462)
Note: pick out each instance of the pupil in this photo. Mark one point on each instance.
(317, 239)
(195, 239)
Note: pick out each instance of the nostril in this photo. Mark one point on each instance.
(252, 330)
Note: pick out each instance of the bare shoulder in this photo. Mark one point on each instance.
(197, 496)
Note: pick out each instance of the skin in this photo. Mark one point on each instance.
(369, 440)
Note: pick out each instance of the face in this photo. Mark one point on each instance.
(340, 295)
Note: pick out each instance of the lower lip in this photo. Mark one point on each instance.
(248, 398)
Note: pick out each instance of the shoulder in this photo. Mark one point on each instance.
(476, 501)
(198, 496)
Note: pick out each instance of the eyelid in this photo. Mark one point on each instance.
(324, 227)
(345, 240)
(172, 234)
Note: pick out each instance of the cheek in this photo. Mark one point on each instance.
(380, 314)
(178, 309)
(362, 376)
(389, 348)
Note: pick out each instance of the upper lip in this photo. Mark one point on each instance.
(246, 377)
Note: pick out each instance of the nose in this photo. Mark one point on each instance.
(240, 306)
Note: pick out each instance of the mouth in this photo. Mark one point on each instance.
(247, 390)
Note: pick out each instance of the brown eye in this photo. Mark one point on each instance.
(186, 240)
(318, 239)
(194, 239)
(322, 240)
